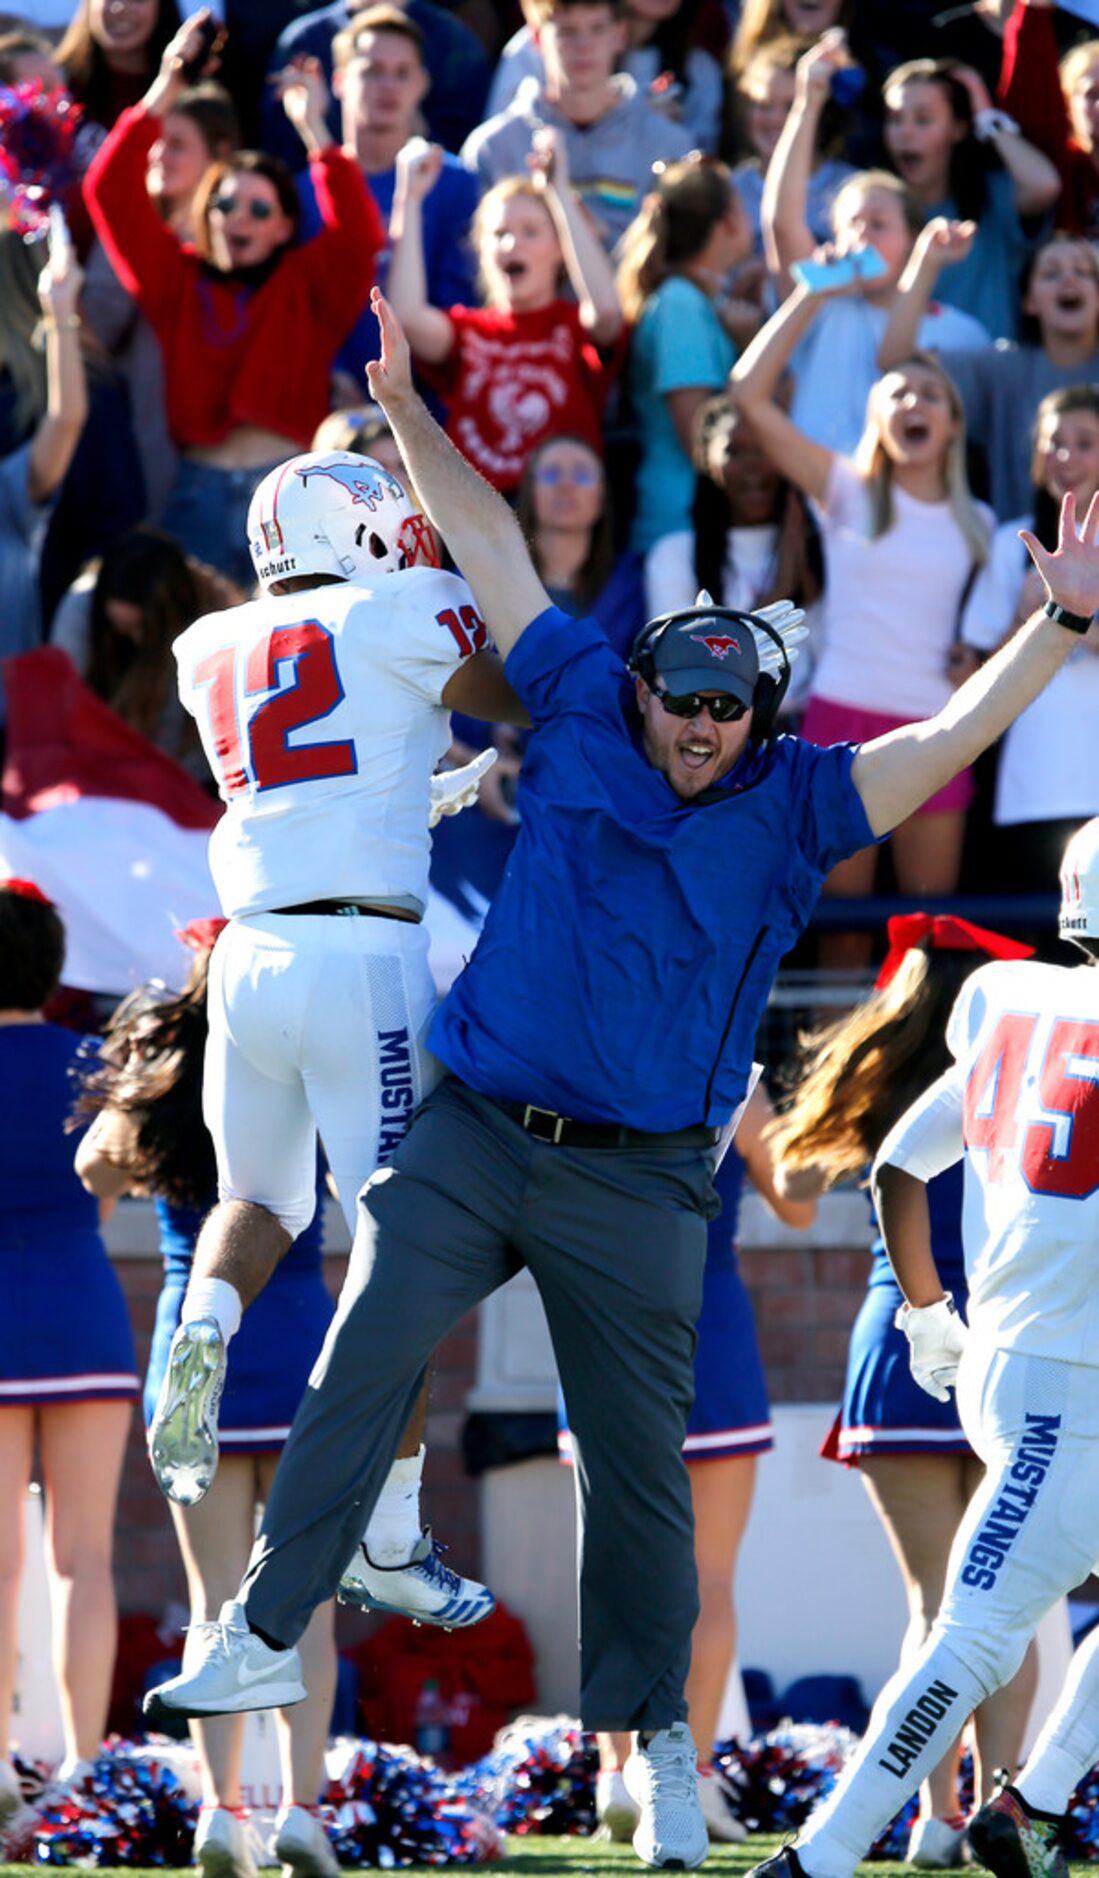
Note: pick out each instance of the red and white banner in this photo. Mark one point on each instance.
(112, 830)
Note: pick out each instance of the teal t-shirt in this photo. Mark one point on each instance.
(679, 342)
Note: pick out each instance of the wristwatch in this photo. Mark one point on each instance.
(1060, 615)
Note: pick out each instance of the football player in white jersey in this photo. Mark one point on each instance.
(323, 707)
(1021, 1104)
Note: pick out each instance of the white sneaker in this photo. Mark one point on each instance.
(935, 1845)
(423, 1589)
(229, 1671)
(302, 1846)
(663, 1779)
(183, 1436)
(614, 1808)
(221, 1848)
(722, 1823)
(11, 1793)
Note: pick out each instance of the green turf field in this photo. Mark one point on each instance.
(570, 1858)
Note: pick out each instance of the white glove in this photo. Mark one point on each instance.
(936, 1340)
(452, 790)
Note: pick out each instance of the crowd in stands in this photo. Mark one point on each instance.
(602, 223)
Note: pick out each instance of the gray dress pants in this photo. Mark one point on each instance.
(615, 1240)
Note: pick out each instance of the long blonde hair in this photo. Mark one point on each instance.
(21, 354)
(503, 191)
(876, 467)
(672, 226)
(854, 1078)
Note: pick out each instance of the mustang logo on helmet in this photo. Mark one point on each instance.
(369, 487)
(720, 644)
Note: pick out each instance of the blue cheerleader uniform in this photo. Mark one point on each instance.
(884, 1411)
(273, 1352)
(730, 1414)
(65, 1333)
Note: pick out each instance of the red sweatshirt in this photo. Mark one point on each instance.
(235, 354)
(1030, 92)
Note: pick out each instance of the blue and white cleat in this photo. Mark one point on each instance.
(424, 1589)
(183, 1437)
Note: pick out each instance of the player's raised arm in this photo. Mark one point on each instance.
(479, 528)
(896, 773)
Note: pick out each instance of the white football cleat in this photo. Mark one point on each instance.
(663, 1778)
(229, 1671)
(424, 1588)
(183, 1436)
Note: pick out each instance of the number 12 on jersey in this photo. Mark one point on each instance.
(263, 754)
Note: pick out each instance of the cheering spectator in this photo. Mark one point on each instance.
(381, 80)
(902, 539)
(939, 130)
(1057, 109)
(26, 56)
(117, 623)
(201, 128)
(836, 364)
(109, 54)
(762, 100)
(456, 62)
(750, 541)
(680, 77)
(249, 324)
(1047, 780)
(764, 20)
(1002, 386)
(44, 402)
(564, 511)
(691, 231)
(67, 1372)
(612, 134)
(528, 365)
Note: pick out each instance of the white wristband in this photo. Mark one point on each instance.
(993, 123)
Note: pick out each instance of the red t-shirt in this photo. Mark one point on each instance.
(514, 379)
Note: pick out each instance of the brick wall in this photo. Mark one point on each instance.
(148, 1572)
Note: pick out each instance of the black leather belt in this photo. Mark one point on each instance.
(350, 909)
(562, 1131)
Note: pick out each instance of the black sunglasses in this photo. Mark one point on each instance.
(724, 709)
(259, 210)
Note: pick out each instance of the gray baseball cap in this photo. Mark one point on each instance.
(708, 655)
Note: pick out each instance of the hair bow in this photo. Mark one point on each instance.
(944, 932)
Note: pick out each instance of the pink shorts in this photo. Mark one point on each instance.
(826, 722)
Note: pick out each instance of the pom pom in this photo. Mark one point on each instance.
(38, 128)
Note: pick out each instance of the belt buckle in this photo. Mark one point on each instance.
(558, 1121)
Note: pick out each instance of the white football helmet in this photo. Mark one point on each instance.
(1079, 915)
(331, 512)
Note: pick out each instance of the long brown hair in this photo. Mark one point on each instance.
(147, 569)
(854, 1078)
(84, 61)
(150, 1068)
(672, 226)
(597, 565)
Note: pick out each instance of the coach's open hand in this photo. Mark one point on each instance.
(390, 377)
(1071, 572)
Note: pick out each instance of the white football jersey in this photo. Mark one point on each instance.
(321, 719)
(1021, 1101)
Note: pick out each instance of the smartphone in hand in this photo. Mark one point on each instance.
(213, 37)
(841, 270)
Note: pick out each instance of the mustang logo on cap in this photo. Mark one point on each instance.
(720, 644)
